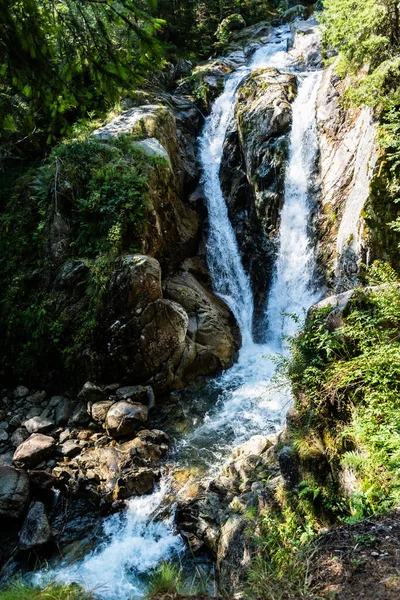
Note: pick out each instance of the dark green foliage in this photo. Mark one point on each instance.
(99, 190)
(60, 60)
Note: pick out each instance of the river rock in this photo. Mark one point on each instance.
(34, 450)
(100, 409)
(91, 392)
(35, 531)
(70, 448)
(39, 425)
(3, 435)
(14, 492)
(37, 397)
(63, 411)
(19, 436)
(125, 417)
(135, 483)
(79, 415)
(138, 393)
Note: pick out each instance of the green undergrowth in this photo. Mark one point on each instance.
(170, 579)
(19, 591)
(345, 433)
(87, 202)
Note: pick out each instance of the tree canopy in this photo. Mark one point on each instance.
(62, 58)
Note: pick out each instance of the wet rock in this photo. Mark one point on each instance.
(55, 400)
(125, 417)
(149, 445)
(14, 492)
(33, 412)
(21, 392)
(39, 425)
(15, 421)
(3, 435)
(100, 409)
(135, 483)
(34, 450)
(35, 531)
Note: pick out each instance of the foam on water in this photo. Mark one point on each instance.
(248, 403)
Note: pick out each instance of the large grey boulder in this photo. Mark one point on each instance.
(36, 531)
(100, 409)
(33, 451)
(136, 393)
(14, 492)
(125, 417)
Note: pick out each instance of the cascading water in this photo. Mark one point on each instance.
(243, 401)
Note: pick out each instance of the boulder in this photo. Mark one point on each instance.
(33, 451)
(125, 417)
(91, 392)
(3, 435)
(70, 448)
(35, 531)
(37, 397)
(295, 13)
(100, 409)
(79, 415)
(39, 425)
(14, 492)
(135, 483)
(138, 393)
(63, 411)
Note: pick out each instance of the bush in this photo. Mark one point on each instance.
(228, 25)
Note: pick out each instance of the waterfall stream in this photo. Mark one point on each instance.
(244, 402)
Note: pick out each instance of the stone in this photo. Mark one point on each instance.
(294, 13)
(55, 400)
(138, 393)
(3, 435)
(37, 397)
(65, 436)
(256, 445)
(15, 421)
(19, 436)
(100, 409)
(63, 411)
(34, 450)
(4, 425)
(125, 417)
(33, 412)
(70, 448)
(35, 531)
(21, 392)
(91, 392)
(39, 425)
(14, 492)
(79, 415)
(135, 483)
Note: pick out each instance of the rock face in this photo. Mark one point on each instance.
(14, 492)
(253, 170)
(214, 519)
(147, 335)
(348, 159)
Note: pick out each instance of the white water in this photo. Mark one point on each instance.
(247, 403)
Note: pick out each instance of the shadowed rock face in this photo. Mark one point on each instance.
(14, 492)
(253, 170)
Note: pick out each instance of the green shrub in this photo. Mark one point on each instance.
(232, 23)
(19, 591)
(166, 579)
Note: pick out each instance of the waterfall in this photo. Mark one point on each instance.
(292, 291)
(243, 402)
(230, 280)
